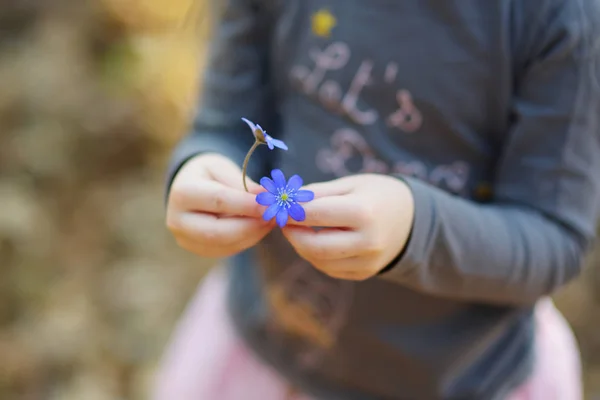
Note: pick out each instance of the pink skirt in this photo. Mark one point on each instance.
(206, 360)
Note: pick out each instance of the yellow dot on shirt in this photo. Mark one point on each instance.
(323, 22)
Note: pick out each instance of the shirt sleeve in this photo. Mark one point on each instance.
(235, 85)
(533, 237)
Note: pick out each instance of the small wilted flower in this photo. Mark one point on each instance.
(282, 198)
(263, 138)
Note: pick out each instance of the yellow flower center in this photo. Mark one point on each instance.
(284, 197)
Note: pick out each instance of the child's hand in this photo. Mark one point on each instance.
(367, 220)
(210, 213)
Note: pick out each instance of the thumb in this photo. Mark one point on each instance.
(230, 175)
(336, 187)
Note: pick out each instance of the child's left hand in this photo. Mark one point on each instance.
(366, 221)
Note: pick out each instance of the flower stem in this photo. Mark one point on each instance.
(245, 165)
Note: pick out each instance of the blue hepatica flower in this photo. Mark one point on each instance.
(261, 136)
(282, 198)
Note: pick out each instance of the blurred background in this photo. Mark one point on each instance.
(93, 95)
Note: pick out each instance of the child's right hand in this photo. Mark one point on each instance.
(210, 213)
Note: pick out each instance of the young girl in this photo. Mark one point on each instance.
(454, 151)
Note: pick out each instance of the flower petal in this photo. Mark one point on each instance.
(268, 184)
(278, 143)
(270, 144)
(282, 217)
(297, 212)
(295, 183)
(271, 211)
(266, 198)
(278, 178)
(303, 196)
(250, 124)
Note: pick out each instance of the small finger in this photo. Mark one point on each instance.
(325, 244)
(230, 175)
(213, 197)
(212, 230)
(337, 187)
(332, 211)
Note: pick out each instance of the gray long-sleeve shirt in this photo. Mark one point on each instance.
(488, 109)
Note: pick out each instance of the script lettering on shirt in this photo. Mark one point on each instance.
(335, 57)
(349, 153)
(407, 117)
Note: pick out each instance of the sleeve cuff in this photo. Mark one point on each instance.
(417, 250)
